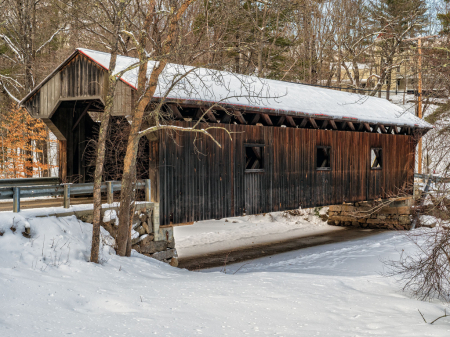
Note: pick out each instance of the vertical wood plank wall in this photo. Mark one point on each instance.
(199, 180)
(79, 79)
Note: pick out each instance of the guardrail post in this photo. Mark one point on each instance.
(16, 199)
(66, 195)
(147, 189)
(155, 221)
(109, 192)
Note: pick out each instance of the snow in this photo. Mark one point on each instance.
(109, 215)
(210, 236)
(428, 220)
(48, 289)
(208, 85)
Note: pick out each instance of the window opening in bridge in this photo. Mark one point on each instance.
(323, 158)
(376, 159)
(254, 157)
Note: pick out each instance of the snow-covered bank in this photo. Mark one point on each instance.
(48, 289)
(210, 236)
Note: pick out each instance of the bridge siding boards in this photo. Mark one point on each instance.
(78, 79)
(213, 184)
(81, 78)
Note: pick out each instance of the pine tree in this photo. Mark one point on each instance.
(396, 15)
(444, 19)
(253, 35)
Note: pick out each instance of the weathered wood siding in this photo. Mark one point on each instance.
(124, 99)
(198, 180)
(79, 80)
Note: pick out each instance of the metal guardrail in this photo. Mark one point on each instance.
(436, 179)
(65, 190)
(28, 182)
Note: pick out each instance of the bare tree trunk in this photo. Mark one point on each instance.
(101, 146)
(103, 132)
(132, 210)
(146, 90)
(237, 58)
(3, 149)
(261, 39)
(45, 160)
(389, 78)
(126, 195)
(338, 75)
(356, 73)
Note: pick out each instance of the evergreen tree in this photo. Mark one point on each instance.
(444, 19)
(396, 20)
(253, 35)
(395, 16)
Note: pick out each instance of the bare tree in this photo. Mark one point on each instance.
(426, 271)
(151, 115)
(116, 13)
(105, 23)
(25, 35)
(146, 90)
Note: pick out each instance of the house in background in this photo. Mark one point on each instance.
(404, 77)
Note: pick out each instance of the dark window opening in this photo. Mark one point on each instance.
(376, 159)
(254, 158)
(323, 158)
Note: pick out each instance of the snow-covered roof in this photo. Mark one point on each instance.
(208, 85)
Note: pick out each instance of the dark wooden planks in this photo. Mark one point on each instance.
(212, 183)
(81, 78)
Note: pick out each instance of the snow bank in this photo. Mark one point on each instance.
(54, 242)
(48, 289)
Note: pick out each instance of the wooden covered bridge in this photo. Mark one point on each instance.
(292, 144)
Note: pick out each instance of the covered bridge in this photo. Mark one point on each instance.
(292, 144)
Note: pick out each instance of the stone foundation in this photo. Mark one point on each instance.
(151, 240)
(391, 214)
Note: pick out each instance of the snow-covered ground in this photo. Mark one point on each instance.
(48, 289)
(230, 233)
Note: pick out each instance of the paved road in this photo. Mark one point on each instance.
(238, 255)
